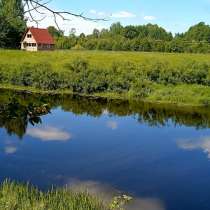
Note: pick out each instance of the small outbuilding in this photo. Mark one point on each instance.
(37, 39)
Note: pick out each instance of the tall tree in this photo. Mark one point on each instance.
(116, 29)
(55, 32)
(199, 32)
(12, 23)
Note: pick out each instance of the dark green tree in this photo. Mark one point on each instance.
(199, 32)
(116, 29)
(55, 32)
(130, 32)
(12, 23)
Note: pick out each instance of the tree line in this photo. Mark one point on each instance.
(145, 38)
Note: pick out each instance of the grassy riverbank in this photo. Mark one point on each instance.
(183, 95)
(25, 197)
(182, 79)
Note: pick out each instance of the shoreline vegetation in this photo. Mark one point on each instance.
(113, 96)
(17, 195)
(24, 196)
(179, 79)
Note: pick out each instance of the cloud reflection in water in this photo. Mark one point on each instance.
(112, 124)
(202, 143)
(49, 134)
(107, 192)
(9, 150)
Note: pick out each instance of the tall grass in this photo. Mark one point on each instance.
(14, 196)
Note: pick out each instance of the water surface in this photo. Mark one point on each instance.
(158, 154)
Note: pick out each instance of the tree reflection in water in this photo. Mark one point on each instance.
(15, 116)
(18, 109)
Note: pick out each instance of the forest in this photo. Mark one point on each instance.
(142, 38)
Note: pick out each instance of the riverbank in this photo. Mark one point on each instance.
(183, 80)
(24, 197)
(181, 96)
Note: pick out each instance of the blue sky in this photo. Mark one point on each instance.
(175, 16)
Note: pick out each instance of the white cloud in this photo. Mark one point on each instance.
(81, 25)
(49, 134)
(149, 18)
(94, 12)
(101, 13)
(10, 150)
(194, 144)
(123, 14)
(112, 124)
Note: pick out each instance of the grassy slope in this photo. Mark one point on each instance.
(180, 94)
(24, 197)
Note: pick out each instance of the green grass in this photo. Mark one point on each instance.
(182, 79)
(183, 95)
(14, 196)
(59, 58)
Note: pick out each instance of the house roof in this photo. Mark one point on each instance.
(42, 36)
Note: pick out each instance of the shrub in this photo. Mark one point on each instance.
(141, 88)
(44, 77)
(25, 75)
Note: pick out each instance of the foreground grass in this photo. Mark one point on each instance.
(181, 79)
(15, 196)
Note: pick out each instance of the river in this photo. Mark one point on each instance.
(159, 154)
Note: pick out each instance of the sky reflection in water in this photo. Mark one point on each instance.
(159, 155)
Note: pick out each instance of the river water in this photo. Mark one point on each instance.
(158, 154)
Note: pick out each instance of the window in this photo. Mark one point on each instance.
(33, 44)
(29, 35)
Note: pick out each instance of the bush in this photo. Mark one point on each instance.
(44, 77)
(140, 88)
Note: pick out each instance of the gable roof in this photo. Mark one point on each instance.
(42, 36)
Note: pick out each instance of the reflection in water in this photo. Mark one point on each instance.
(112, 124)
(115, 142)
(49, 134)
(107, 193)
(202, 143)
(10, 150)
(19, 109)
(15, 114)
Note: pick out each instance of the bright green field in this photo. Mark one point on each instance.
(182, 79)
(58, 58)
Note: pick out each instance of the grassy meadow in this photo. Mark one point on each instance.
(182, 79)
(59, 58)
